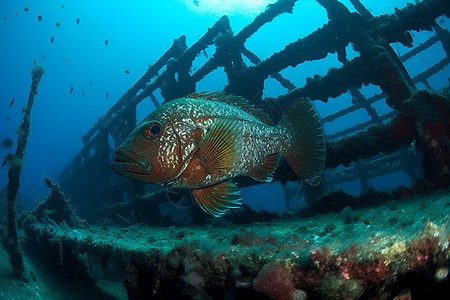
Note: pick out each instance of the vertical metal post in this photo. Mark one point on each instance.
(15, 169)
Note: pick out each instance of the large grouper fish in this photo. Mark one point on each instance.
(204, 140)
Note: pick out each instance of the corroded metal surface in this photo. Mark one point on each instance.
(337, 256)
(89, 181)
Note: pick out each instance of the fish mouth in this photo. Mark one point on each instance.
(127, 162)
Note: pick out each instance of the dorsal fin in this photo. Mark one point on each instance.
(234, 100)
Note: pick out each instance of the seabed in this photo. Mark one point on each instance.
(398, 249)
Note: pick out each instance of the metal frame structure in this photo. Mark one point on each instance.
(89, 182)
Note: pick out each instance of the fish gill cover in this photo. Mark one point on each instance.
(377, 74)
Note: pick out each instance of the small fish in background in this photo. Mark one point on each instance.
(71, 90)
(26, 9)
(106, 42)
(4, 19)
(107, 95)
(127, 72)
(12, 102)
(52, 39)
(16, 14)
(62, 6)
(5, 161)
(82, 93)
(77, 20)
(7, 143)
(196, 2)
(65, 62)
(8, 118)
(58, 24)
(43, 56)
(39, 18)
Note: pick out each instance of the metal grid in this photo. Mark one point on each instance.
(88, 180)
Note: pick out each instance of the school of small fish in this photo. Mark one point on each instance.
(40, 19)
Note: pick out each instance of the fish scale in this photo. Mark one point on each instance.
(204, 140)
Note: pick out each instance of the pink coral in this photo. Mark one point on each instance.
(274, 281)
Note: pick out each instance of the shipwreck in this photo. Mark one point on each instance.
(349, 254)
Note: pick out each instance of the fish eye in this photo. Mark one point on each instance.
(152, 130)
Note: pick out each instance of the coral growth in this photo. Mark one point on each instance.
(340, 257)
(276, 282)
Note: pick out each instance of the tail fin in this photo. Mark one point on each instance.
(305, 151)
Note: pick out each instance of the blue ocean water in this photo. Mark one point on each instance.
(77, 57)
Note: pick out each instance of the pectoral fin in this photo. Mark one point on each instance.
(222, 146)
(217, 199)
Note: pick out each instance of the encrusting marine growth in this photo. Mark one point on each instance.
(15, 162)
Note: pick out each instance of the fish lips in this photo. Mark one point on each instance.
(128, 163)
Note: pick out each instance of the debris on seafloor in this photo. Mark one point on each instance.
(55, 209)
(403, 248)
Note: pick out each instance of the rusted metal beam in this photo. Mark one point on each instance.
(15, 162)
